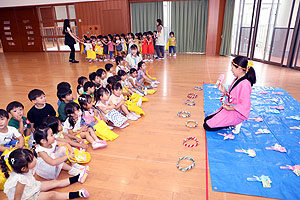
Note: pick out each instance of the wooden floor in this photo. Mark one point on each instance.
(141, 163)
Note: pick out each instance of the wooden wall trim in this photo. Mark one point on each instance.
(216, 11)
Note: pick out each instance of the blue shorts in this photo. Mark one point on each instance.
(111, 54)
(172, 48)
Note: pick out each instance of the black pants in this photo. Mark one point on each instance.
(72, 54)
(207, 128)
(160, 49)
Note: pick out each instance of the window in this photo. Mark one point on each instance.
(51, 24)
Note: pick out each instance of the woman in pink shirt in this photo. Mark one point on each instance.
(233, 113)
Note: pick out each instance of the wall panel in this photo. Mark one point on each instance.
(105, 16)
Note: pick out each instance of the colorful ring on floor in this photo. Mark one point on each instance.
(198, 88)
(187, 168)
(184, 114)
(191, 121)
(190, 102)
(191, 145)
(192, 95)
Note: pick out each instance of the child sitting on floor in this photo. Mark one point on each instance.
(56, 126)
(102, 74)
(41, 109)
(110, 70)
(74, 128)
(134, 83)
(62, 85)
(142, 78)
(118, 100)
(95, 79)
(108, 109)
(89, 88)
(89, 111)
(17, 120)
(21, 183)
(52, 158)
(121, 65)
(81, 81)
(65, 96)
(8, 134)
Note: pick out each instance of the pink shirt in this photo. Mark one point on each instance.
(110, 46)
(241, 101)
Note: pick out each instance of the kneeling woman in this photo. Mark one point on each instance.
(234, 112)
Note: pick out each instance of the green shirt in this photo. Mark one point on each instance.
(15, 123)
(61, 111)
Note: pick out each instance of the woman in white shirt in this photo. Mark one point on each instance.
(160, 43)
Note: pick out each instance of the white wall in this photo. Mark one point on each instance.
(15, 3)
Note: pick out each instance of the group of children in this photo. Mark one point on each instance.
(103, 98)
(105, 48)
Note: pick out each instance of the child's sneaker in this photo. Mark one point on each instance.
(153, 85)
(74, 171)
(110, 127)
(97, 145)
(131, 117)
(136, 115)
(83, 174)
(139, 103)
(174, 55)
(139, 93)
(124, 125)
(101, 141)
(156, 82)
(83, 193)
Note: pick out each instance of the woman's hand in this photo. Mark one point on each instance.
(221, 87)
(226, 107)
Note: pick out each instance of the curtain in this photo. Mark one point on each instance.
(189, 24)
(225, 49)
(144, 16)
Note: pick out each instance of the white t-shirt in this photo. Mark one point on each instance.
(49, 151)
(6, 138)
(68, 126)
(115, 100)
(133, 61)
(120, 67)
(32, 186)
(88, 46)
(133, 79)
(160, 37)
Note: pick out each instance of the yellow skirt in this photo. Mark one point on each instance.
(91, 54)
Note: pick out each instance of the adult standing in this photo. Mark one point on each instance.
(160, 43)
(70, 40)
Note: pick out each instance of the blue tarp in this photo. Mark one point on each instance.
(229, 170)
